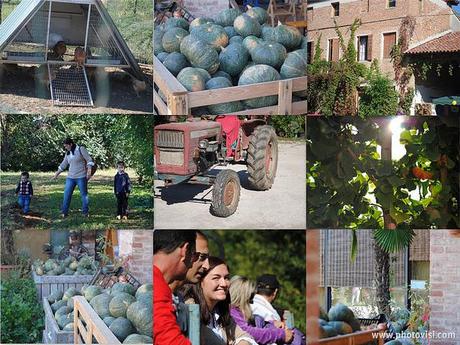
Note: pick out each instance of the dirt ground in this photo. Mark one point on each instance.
(112, 93)
(186, 206)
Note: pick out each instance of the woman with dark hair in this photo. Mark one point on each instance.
(80, 164)
(212, 295)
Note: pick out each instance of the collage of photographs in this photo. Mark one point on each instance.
(230, 172)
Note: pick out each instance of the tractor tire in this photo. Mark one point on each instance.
(225, 193)
(262, 158)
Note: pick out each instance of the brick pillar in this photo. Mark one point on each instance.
(205, 8)
(139, 245)
(445, 285)
(313, 281)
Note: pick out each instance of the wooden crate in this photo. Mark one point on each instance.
(45, 285)
(52, 334)
(357, 338)
(89, 327)
(180, 101)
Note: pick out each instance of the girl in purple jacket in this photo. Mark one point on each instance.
(241, 293)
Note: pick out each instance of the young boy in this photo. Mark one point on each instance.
(24, 191)
(122, 188)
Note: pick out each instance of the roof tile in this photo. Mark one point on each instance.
(448, 43)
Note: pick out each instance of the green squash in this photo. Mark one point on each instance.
(259, 74)
(121, 328)
(199, 54)
(340, 312)
(191, 79)
(340, 327)
(221, 73)
(222, 108)
(175, 62)
(56, 305)
(246, 26)
(326, 331)
(303, 43)
(100, 304)
(120, 303)
(177, 23)
(269, 53)
(206, 76)
(200, 21)
(63, 320)
(70, 303)
(236, 39)
(140, 314)
(91, 292)
(288, 36)
(138, 339)
(172, 38)
(233, 59)
(68, 327)
(323, 314)
(211, 34)
(295, 65)
(108, 320)
(162, 56)
(251, 42)
(230, 30)
(55, 296)
(394, 342)
(227, 17)
(64, 310)
(123, 287)
(70, 292)
(144, 289)
(268, 33)
(258, 13)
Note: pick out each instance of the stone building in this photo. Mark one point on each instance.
(382, 24)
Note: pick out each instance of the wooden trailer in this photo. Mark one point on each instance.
(180, 101)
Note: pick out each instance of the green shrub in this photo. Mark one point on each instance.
(22, 315)
(289, 126)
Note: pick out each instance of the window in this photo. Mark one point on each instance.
(333, 49)
(389, 40)
(335, 9)
(309, 51)
(364, 44)
(310, 14)
(391, 3)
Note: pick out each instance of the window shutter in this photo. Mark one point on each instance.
(369, 48)
(389, 40)
(335, 49)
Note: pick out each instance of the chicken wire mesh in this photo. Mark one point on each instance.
(30, 43)
(69, 85)
(101, 47)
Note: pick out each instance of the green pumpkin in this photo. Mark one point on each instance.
(162, 56)
(221, 73)
(295, 64)
(199, 54)
(70, 292)
(230, 30)
(268, 33)
(55, 296)
(246, 26)
(258, 13)
(120, 303)
(177, 23)
(206, 76)
(259, 74)
(236, 39)
(222, 108)
(288, 36)
(108, 320)
(175, 62)
(138, 339)
(227, 17)
(57, 305)
(200, 21)
(251, 42)
(140, 315)
(340, 327)
(233, 59)
(269, 53)
(100, 304)
(123, 287)
(303, 43)
(91, 292)
(191, 79)
(340, 312)
(211, 34)
(172, 38)
(121, 328)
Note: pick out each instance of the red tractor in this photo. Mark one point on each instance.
(185, 152)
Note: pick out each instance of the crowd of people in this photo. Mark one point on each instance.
(233, 309)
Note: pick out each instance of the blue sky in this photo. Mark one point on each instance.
(457, 8)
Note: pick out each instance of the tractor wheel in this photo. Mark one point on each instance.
(262, 157)
(225, 194)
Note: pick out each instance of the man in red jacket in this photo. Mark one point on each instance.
(173, 255)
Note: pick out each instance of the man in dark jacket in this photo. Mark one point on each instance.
(122, 188)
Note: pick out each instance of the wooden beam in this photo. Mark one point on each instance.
(285, 97)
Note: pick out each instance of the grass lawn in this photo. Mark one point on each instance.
(48, 194)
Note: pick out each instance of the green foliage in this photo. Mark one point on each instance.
(349, 185)
(289, 126)
(21, 317)
(379, 97)
(282, 253)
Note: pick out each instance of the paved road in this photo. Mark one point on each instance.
(282, 207)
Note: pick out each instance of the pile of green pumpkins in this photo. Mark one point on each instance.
(86, 265)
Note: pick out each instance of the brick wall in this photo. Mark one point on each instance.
(313, 282)
(205, 8)
(139, 245)
(445, 285)
(432, 16)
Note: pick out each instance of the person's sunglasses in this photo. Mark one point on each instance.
(197, 256)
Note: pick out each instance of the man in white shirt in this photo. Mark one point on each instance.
(267, 287)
